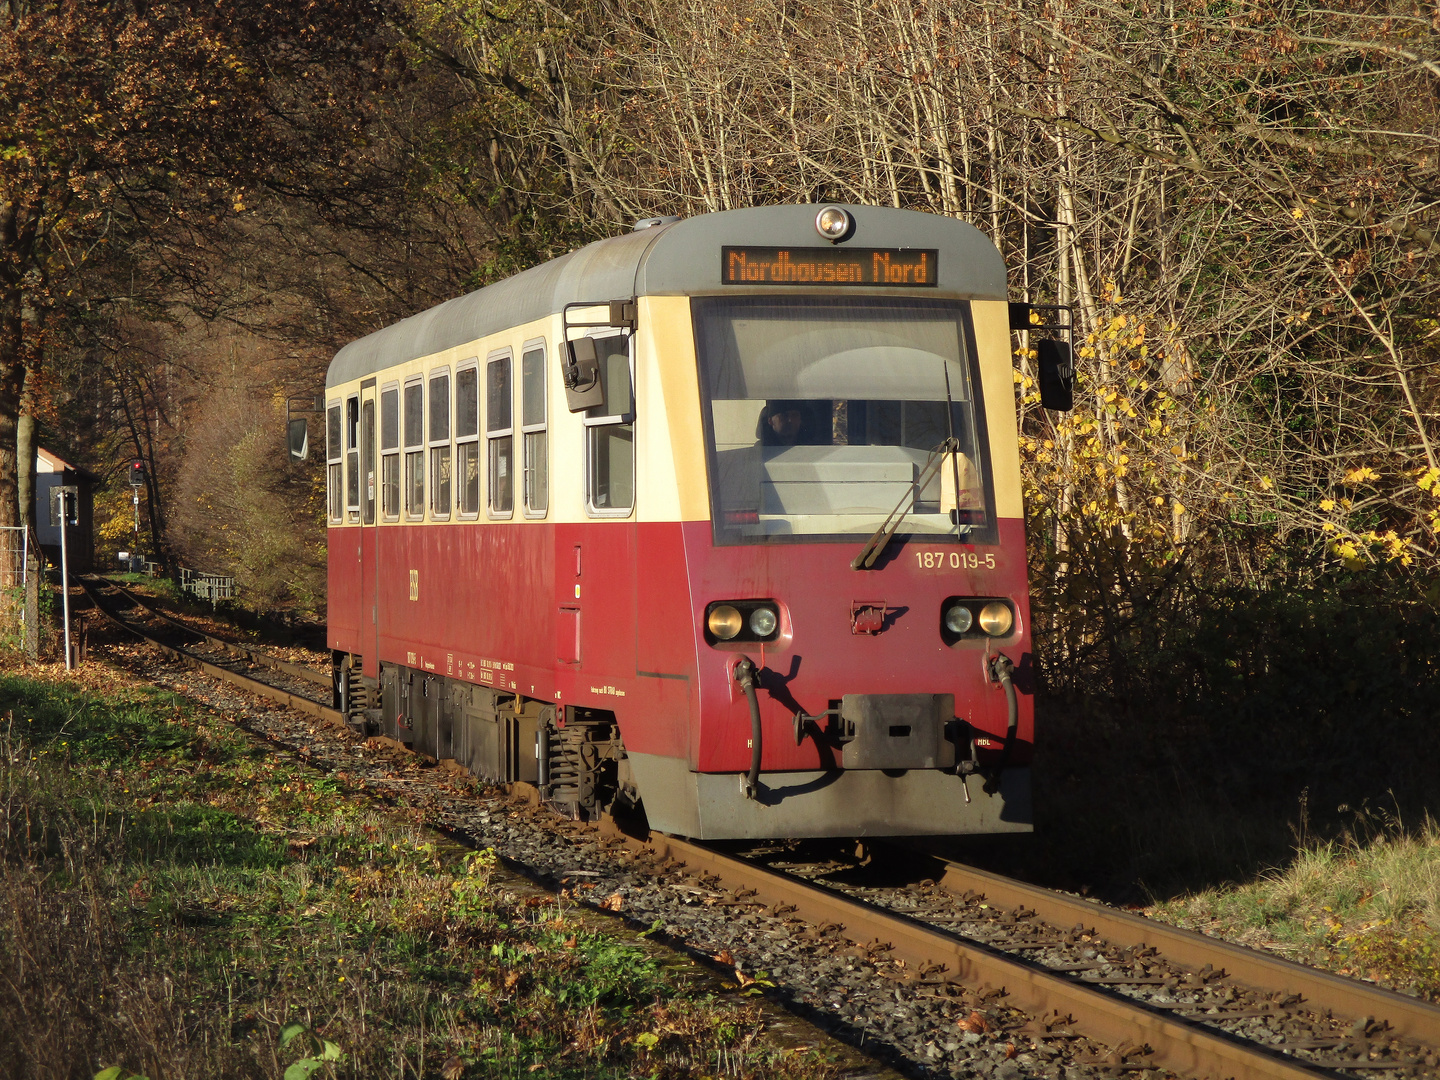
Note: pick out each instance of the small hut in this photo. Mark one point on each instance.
(50, 473)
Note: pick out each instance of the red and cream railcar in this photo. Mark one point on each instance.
(721, 517)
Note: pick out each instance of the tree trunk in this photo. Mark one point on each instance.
(25, 467)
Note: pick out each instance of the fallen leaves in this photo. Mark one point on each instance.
(974, 1022)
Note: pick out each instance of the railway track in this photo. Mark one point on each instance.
(292, 685)
(1070, 984)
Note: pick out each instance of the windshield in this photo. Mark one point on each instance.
(822, 415)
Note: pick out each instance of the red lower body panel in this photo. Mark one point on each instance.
(608, 615)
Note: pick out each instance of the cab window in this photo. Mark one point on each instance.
(610, 434)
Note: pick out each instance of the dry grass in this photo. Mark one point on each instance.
(174, 898)
(1366, 905)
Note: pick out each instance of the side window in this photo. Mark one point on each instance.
(610, 434)
(334, 463)
(499, 435)
(414, 449)
(367, 460)
(440, 454)
(532, 426)
(352, 458)
(467, 439)
(390, 452)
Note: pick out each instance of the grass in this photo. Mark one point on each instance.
(178, 902)
(1366, 905)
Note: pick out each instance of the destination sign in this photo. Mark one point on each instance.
(830, 266)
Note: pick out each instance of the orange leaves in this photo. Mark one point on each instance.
(973, 1023)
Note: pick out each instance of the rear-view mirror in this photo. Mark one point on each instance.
(297, 438)
(580, 370)
(1057, 374)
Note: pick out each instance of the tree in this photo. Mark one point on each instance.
(123, 125)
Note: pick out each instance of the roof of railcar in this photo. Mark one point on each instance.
(681, 258)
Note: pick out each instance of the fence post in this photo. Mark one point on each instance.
(32, 598)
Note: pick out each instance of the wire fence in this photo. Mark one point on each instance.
(211, 587)
(17, 602)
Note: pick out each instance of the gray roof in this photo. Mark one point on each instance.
(682, 258)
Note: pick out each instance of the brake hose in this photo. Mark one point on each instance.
(1002, 670)
(745, 675)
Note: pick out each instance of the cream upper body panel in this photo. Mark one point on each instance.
(661, 269)
(991, 319)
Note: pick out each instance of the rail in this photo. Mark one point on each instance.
(1404, 1015)
(234, 678)
(1177, 1044)
(255, 656)
(935, 955)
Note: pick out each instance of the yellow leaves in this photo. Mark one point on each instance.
(1266, 483)
(1297, 213)
(1348, 552)
(1327, 505)
(1362, 475)
(1329, 526)
(1427, 481)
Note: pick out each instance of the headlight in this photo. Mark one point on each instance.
(725, 622)
(833, 223)
(958, 619)
(762, 622)
(996, 618)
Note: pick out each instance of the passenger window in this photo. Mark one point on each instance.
(440, 459)
(499, 435)
(390, 453)
(610, 433)
(352, 458)
(532, 426)
(367, 459)
(334, 468)
(467, 439)
(415, 449)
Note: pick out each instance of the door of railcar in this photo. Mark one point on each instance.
(595, 558)
(369, 539)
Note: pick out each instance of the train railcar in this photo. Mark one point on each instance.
(720, 518)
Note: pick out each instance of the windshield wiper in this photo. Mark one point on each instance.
(876, 544)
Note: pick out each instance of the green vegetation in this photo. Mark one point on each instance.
(1200, 729)
(176, 901)
(1368, 907)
